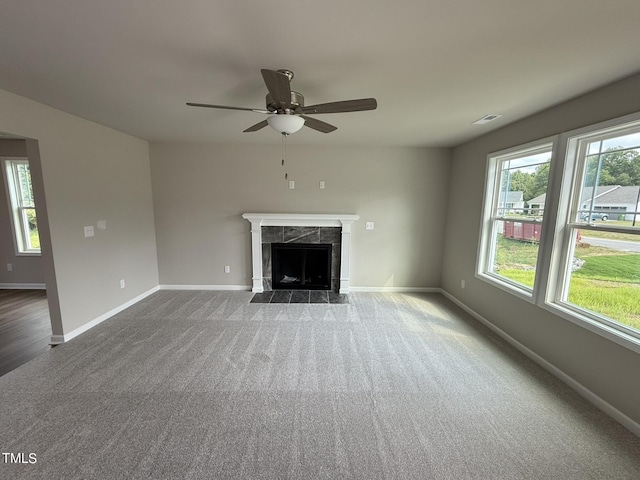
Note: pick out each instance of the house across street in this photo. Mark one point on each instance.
(613, 200)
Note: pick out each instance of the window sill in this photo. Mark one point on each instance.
(507, 286)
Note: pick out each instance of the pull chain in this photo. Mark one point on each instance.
(284, 154)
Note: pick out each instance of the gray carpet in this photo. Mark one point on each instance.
(389, 386)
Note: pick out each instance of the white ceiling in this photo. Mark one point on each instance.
(434, 66)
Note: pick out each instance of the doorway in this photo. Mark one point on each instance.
(25, 320)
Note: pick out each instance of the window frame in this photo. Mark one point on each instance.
(560, 217)
(19, 224)
(568, 204)
(489, 221)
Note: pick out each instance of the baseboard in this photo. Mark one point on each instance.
(583, 391)
(58, 339)
(206, 287)
(351, 289)
(396, 289)
(23, 286)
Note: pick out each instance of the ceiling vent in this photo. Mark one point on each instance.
(486, 119)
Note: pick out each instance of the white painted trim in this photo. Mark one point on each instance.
(58, 339)
(23, 286)
(487, 233)
(583, 391)
(397, 289)
(599, 326)
(345, 245)
(300, 219)
(206, 287)
(259, 220)
(256, 257)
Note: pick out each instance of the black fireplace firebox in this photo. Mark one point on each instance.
(301, 266)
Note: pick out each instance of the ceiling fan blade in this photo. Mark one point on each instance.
(207, 105)
(343, 106)
(257, 126)
(279, 87)
(318, 125)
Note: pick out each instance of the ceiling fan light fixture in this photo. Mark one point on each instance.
(285, 124)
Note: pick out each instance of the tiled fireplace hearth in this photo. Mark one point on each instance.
(268, 228)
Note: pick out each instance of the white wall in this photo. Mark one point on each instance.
(605, 368)
(201, 191)
(83, 173)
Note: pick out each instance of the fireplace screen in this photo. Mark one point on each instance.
(302, 266)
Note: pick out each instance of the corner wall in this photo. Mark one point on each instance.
(88, 173)
(201, 191)
(605, 368)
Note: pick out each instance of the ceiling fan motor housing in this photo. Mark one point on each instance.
(297, 101)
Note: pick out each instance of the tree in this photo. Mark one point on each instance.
(617, 167)
(540, 180)
(521, 182)
(530, 184)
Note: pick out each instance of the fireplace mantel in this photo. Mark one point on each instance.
(259, 220)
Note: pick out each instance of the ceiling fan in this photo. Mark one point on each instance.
(286, 110)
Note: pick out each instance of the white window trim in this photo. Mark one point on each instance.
(4, 161)
(487, 225)
(559, 250)
(554, 248)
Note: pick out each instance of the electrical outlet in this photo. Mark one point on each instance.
(368, 226)
(122, 283)
(88, 231)
(462, 283)
(292, 184)
(321, 183)
(227, 269)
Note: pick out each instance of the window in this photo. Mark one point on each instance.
(585, 266)
(599, 229)
(515, 195)
(23, 211)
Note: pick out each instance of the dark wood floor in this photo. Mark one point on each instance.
(25, 327)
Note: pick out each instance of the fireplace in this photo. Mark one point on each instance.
(330, 228)
(301, 266)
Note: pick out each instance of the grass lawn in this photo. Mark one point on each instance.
(608, 282)
(615, 268)
(617, 300)
(524, 277)
(515, 254)
(34, 238)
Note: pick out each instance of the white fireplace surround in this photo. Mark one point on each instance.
(259, 220)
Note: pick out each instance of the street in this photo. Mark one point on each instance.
(621, 245)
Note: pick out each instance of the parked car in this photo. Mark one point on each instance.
(594, 216)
